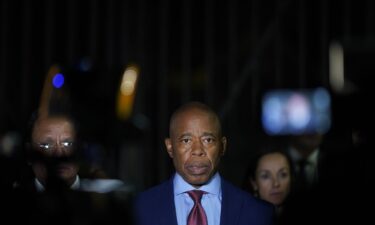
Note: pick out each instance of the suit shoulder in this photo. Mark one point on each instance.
(234, 190)
(249, 199)
(154, 192)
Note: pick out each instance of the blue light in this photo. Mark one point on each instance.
(296, 111)
(58, 80)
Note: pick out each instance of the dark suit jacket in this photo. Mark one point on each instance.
(156, 207)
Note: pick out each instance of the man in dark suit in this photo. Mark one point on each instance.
(54, 190)
(196, 145)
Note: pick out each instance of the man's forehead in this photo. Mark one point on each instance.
(51, 121)
(52, 124)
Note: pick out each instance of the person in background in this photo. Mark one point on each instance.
(54, 153)
(54, 187)
(307, 157)
(196, 145)
(270, 175)
(322, 162)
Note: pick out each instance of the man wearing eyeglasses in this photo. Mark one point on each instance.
(58, 190)
(54, 158)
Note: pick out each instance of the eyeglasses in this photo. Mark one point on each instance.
(65, 146)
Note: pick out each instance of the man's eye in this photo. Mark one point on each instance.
(67, 144)
(44, 146)
(209, 140)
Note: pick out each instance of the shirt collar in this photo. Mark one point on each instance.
(40, 187)
(312, 159)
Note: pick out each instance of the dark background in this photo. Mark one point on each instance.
(225, 53)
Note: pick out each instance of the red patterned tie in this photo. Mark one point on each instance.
(197, 215)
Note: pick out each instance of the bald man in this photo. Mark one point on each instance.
(196, 145)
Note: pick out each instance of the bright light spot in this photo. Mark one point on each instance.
(58, 80)
(298, 111)
(273, 118)
(128, 81)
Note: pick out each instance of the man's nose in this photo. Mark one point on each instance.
(197, 148)
(59, 150)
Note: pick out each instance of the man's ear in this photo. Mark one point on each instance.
(224, 145)
(168, 146)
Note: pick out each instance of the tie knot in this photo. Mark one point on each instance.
(197, 216)
(196, 195)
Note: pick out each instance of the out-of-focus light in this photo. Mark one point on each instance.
(273, 121)
(58, 80)
(296, 111)
(126, 93)
(128, 81)
(299, 111)
(321, 99)
(336, 67)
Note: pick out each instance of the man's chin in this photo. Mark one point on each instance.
(65, 174)
(198, 179)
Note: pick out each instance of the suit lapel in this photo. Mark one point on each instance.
(167, 213)
(230, 206)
